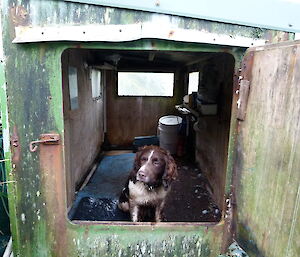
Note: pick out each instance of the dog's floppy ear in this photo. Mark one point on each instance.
(170, 170)
(136, 166)
(137, 160)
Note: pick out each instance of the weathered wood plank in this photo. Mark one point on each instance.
(268, 159)
(212, 132)
(129, 117)
(84, 126)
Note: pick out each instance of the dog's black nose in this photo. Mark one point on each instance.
(141, 174)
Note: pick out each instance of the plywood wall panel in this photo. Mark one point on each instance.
(83, 126)
(212, 135)
(128, 117)
(268, 159)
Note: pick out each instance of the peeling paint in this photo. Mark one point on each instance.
(171, 246)
(23, 217)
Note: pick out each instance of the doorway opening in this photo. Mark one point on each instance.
(113, 101)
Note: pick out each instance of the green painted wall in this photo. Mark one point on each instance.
(35, 107)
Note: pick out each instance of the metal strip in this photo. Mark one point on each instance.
(121, 33)
(8, 250)
(243, 99)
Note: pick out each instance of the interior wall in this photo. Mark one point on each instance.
(128, 117)
(83, 126)
(212, 133)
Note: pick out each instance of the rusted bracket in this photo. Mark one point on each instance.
(47, 139)
(228, 211)
(243, 99)
(234, 250)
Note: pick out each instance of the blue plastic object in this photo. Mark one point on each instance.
(145, 140)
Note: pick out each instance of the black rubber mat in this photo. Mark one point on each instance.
(104, 209)
(98, 199)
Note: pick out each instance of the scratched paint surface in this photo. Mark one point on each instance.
(268, 159)
(51, 13)
(143, 241)
(38, 231)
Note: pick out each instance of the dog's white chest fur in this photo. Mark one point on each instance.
(143, 196)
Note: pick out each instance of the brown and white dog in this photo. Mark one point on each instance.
(148, 184)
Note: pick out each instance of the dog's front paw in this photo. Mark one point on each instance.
(134, 212)
(123, 206)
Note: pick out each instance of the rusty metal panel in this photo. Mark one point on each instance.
(267, 153)
(38, 206)
(53, 180)
(39, 21)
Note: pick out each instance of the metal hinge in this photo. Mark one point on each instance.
(47, 139)
(234, 250)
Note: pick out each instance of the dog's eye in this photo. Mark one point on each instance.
(143, 159)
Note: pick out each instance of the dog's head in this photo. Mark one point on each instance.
(155, 166)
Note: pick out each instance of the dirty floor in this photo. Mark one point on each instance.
(188, 201)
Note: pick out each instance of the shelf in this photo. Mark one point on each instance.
(191, 111)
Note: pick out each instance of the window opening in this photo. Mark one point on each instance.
(95, 187)
(193, 82)
(73, 88)
(95, 77)
(145, 84)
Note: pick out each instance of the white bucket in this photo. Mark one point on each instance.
(168, 129)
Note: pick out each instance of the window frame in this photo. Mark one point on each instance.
(100, 95)
(72, 79)
(188, 84)
(146, 71)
